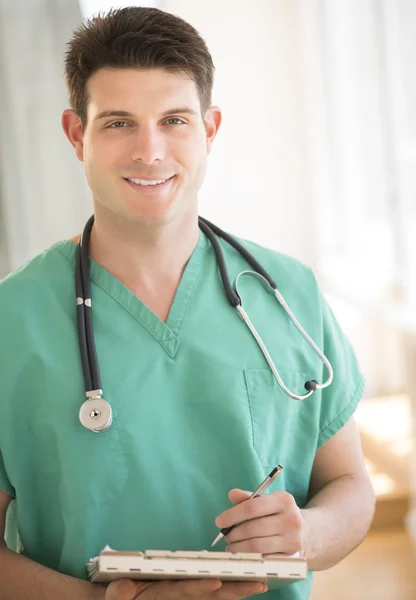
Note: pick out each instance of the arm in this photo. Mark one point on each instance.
(341, 506)
(332, 524)
(25, 579)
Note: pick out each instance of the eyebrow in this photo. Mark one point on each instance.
(124, 113)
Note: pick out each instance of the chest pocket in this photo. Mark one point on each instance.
(280, 423)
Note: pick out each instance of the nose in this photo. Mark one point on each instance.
(148, 146)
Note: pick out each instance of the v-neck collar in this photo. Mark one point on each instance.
(166, 333)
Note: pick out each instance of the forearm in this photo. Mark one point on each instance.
(25, 579)
(336, 520)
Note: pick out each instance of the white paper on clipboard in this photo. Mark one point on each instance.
(276, 570)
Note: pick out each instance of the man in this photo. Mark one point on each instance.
(196, 408)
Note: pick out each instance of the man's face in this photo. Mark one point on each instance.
(155, 132)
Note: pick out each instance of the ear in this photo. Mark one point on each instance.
(212, 121)
(72, 126)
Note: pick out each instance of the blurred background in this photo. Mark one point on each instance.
(321, 96)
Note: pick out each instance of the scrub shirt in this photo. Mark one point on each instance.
(197, 410)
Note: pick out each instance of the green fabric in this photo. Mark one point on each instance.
(197, 410)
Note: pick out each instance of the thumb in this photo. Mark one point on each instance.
(238, 496)
(123, 589)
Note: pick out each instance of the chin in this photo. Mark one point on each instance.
(150, 215)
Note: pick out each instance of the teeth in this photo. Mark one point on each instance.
(144, 182)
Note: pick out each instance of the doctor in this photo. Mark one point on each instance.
(198, 417)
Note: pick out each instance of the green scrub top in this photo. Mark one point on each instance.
(197, 410)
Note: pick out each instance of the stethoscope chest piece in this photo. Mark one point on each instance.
(96, 415)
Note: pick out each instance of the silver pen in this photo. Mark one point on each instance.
(262, 487)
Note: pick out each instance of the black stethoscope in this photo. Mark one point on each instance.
(96, 413)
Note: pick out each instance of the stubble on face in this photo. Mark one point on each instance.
(146, 137)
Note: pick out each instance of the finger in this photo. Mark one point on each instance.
(123, 589)
(287, 543)
(273, 544)
(237, 496)
(261, 545)
(257, 507)
(185, 589)
(234, 590)
(261, 527)
(267, 546)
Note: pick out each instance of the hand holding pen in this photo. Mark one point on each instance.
(272, 524)
(258, 492)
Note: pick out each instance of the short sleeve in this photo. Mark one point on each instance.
(340, 399)
(5, 484)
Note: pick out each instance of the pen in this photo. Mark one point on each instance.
(258, 492)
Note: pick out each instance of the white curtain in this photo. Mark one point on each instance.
(361, 123)
(361, 139)
(43, 195)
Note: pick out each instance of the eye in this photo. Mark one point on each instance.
(175, 119)
(117, 123)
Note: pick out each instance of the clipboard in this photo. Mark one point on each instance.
(275, 570)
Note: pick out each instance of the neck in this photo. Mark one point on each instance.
(145, 259)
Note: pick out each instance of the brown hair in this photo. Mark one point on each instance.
(136, 37)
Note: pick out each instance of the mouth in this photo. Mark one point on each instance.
(149, 187)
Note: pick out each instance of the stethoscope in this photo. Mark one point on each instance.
(96, 413)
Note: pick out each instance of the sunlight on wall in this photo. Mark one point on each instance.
(383, 484)
(389, 421)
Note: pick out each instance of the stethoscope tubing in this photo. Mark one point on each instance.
(85, 325)
(209, 229)
(87, 345)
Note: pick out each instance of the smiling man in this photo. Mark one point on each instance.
(195, 415)
(143, 127)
